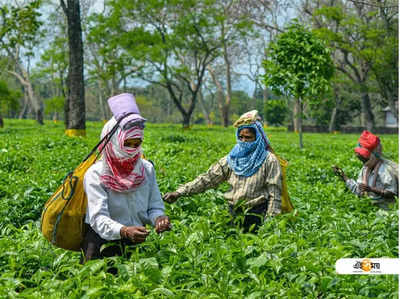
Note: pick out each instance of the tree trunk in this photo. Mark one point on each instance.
(37, 106)
(62, 85)
(220, 103)
(101, 101)
(228, 97)
(296, 115)
(1, 122)
(75, 103)
(115, 87)
(186, 120)
(221, 98)
(204, 109)
(186, 115)
(23, 78)
(332, 121)
(225, 115)
(265, 95)
(300, 118)
(368, 116)
(394, 109)
(24, 110)
(39, 116)
(101, 104)
(66, 107)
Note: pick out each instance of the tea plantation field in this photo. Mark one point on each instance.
(202, 257)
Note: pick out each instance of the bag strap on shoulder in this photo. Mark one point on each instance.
(106, 139)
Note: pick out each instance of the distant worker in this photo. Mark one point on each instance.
(121, 188)
(251, 169)
(378, 178)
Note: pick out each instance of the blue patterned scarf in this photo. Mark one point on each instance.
(247, 157)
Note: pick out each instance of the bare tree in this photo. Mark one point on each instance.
(22, 75)
(244, 30)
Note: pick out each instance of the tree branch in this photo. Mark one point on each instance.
(64, 7)
(346, 59)
(373, 4)
(267, 27)
(19, 77)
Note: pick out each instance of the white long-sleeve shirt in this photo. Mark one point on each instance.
(385, 181)
(108, 210)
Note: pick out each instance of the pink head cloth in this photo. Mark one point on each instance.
(123, 104)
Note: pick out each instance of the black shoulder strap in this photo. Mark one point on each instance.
(106, 138)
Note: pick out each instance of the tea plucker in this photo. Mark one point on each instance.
(121, 188)
(251, 169)
(378, 178)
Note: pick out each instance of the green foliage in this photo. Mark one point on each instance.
(108, 61)
(54, 105)
(357, 31)
(367, 38)
(169, 43)
(4, 91)
(148, 109)
(8, 98)
(343, 97)
(19, 24)
(386, 63)
(241, 103)
(203, 256)
(275, 112)
(185, 29)
(52, 68)
(299, 64)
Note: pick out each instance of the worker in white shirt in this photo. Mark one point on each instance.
(121, 188)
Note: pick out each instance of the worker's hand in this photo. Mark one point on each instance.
(137, 234)
(364, 188)
(171, 197)
(339, 172)
(162, 224)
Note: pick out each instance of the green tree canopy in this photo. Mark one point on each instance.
(275, 112)
(365, 39)
(54, 105)
(174, 40)
(298, 64)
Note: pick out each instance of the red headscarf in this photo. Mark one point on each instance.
(367, 143)
(123, 168)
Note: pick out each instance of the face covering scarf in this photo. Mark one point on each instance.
(247, 157)
(123, 169)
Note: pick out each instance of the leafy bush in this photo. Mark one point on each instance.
(275, 112)
(202, 257)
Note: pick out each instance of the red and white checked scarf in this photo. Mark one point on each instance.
(123, 168)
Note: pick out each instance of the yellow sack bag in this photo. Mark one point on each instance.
(286, 203)
(62, 221)
(63, 216)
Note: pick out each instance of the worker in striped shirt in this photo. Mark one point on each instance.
(251, 169)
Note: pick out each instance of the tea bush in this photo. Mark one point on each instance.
(202, 257)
